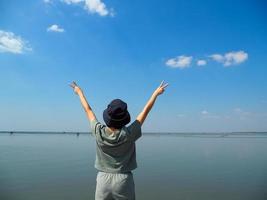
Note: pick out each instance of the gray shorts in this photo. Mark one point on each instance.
(114, 186)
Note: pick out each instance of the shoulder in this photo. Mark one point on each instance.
(134, 130)
(135, 124)
(96, 126)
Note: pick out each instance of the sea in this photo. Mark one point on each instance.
(171, 166)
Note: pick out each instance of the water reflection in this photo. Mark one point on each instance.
(61, 166)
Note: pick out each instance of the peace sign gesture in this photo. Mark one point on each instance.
(75, 87)
(161, 88)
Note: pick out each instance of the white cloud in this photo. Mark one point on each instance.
(217, 57)
(9, 42)
(235, 57)
(179, 62)
(208, 115)
(230, 58)
(47, 1)
(243, 115)
(55, 28)
(204, 112)
(241, 112)
(201, 62)
(72, 1)
(237, 110)
(96, 6)
(227, 59)
(93, 6)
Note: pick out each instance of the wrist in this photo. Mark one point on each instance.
(155, 95)
(79, 92)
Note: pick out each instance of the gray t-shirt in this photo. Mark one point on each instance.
(115, 151)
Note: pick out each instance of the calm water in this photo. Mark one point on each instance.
(60, 167)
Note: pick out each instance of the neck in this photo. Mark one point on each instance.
(112, 129)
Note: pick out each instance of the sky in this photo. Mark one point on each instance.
(212, 54)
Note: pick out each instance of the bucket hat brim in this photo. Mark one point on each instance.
(116, 123)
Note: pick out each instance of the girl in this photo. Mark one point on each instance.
(115, 145)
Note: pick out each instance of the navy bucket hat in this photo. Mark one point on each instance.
(116, 114)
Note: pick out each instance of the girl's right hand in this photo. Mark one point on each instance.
(75, 87)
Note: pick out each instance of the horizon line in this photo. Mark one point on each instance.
(146, 132)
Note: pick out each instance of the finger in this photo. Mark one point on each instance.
(161, 83)
(73, 84)
(165, 85)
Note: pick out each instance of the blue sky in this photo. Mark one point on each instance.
(212, 53)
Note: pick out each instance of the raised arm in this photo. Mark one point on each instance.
(142, 116)
(89, 112)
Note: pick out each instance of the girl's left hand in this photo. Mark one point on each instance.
(161, 88)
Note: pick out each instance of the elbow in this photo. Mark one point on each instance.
(87, 109)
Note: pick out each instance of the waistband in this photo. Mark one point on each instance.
(102, 172)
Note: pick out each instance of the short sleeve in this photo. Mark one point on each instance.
(95, 126)
(135, 131)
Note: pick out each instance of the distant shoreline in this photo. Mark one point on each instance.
(146, 133)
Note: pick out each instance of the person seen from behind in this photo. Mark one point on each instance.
(115, 145)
